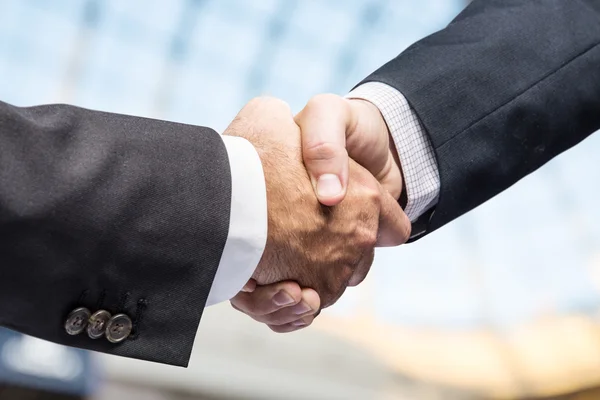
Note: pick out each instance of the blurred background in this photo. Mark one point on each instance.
(503, 303)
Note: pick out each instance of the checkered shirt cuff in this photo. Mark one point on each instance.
(419, 165)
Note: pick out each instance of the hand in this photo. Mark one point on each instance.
(319, 248)
(334, 129)
(282, 306)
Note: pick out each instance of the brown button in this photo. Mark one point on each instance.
(97, 324)
(77, 321)
(118, 328)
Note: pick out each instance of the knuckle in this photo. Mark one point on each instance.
(282, 105)
(322, 150)
(374, 194)
(368, 195)
(235, 307)
(255, 102)
(370, 238)
(323, 100)
(257, 304)
(243, 306)
(269, 101)
(345, 274)
(367, 236)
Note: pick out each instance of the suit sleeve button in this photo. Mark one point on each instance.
(77, 321)
(118, 328)
(97, 324)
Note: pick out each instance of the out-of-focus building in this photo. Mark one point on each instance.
(502, 302)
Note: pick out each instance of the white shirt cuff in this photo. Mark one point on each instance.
(247, 223)
(419, 165)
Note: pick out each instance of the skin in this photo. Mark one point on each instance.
(335, 246)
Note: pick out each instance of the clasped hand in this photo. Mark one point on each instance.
(332, 182)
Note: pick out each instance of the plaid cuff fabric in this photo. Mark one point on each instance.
(419, 165)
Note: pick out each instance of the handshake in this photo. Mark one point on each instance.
(333, 180)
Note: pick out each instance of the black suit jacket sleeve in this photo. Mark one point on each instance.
(507, 86)
(109, 212)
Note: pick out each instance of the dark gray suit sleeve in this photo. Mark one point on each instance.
(507, 86)
(113, 212)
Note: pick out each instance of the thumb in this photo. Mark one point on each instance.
(324, 122)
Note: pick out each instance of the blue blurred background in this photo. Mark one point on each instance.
(527, 256)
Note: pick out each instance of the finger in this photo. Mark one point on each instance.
(362, 269)
(249, 286)
(266, 104)
(268, 299)
(394, 225)
(293, 326)
(324, 122)
(309, 305)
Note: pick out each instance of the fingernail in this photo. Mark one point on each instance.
(301, 308)
(298, 323)
(282, 298)
(329, 185)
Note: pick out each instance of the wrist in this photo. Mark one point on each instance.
(247, 235)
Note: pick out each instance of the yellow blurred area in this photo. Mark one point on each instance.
(542, 358)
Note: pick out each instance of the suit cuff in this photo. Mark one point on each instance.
(247, 235)
(419, 165)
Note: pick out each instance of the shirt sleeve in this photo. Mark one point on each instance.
(419, 165)
(247, 224)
